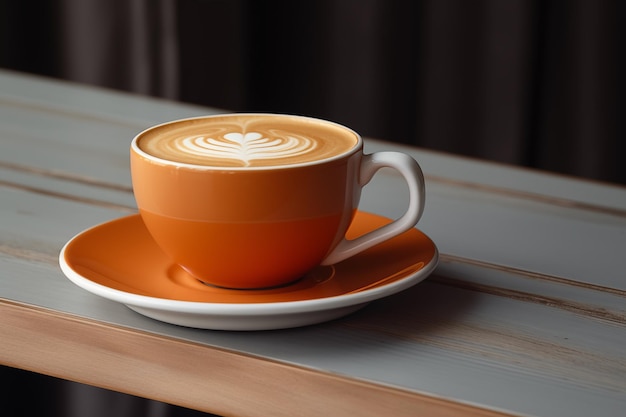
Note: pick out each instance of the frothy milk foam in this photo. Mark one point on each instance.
(247, 141)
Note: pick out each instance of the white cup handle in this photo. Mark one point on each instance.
(414, 177)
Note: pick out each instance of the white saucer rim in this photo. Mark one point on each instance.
(245, 309)
(242, 309)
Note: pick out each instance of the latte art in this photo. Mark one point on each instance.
(247, 141)
(246, 146)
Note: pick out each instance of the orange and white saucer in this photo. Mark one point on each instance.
(118, 260)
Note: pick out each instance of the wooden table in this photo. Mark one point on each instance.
(525, 315)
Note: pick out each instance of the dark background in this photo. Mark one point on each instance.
(529, 82)
(537, 83)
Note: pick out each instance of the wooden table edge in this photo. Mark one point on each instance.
(197, 376)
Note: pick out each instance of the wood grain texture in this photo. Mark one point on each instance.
(192, 375)
(525, 315)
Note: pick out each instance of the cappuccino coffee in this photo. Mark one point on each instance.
(247, 141)
(252, 201)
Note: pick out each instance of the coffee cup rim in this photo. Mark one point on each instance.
(135, 147)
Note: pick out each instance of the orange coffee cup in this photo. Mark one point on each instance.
(256, 200)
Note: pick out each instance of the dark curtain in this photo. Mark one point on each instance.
(29, 394)
(528, 82)
(536, 83)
